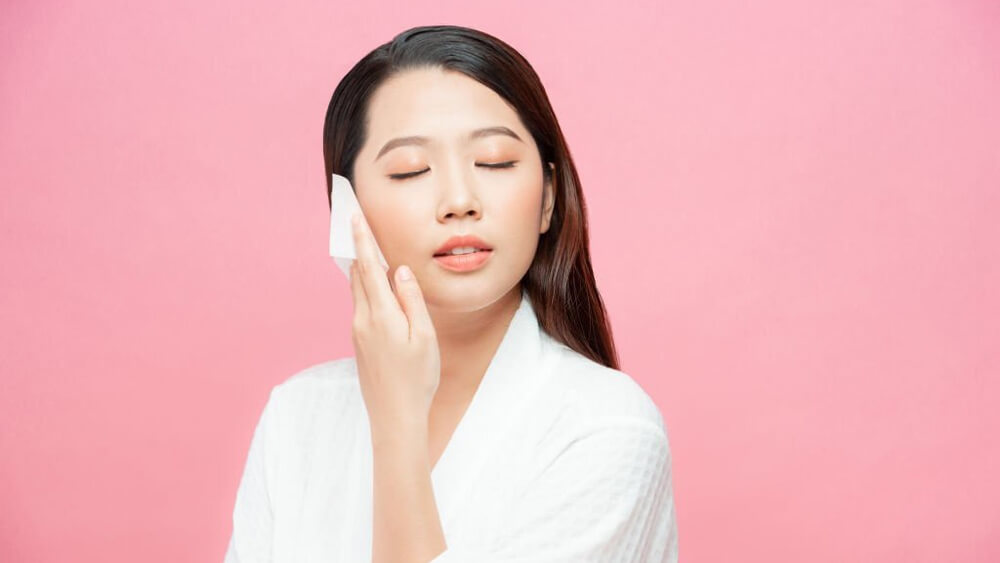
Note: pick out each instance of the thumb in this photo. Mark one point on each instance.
(412, 300)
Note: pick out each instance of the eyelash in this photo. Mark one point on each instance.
(499, 165)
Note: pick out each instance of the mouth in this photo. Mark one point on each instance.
(463, 251)
(459, 245)
(464, 261)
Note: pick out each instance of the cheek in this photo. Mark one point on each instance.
(524, 207)
(521, 216)
(393, 226)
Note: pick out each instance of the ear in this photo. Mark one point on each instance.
(548, 199)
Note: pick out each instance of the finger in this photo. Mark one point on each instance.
(373, 276)
(358, 291)
(412, 300)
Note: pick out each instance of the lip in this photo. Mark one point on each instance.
(464, 262)
(463, 240)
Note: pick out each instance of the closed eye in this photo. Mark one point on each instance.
(405, 175)
(508, 164)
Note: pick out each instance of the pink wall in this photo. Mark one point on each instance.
(794, 215)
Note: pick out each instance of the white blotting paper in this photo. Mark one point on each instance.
(343, 203)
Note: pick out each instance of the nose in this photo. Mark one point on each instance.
(458, 199)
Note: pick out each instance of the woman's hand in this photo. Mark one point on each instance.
(399, 367)
(395, 344)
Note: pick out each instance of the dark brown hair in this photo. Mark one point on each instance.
(560, 281)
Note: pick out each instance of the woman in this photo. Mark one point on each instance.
(483, 417)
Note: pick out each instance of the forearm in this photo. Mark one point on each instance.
(407, 527)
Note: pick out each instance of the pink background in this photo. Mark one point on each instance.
(794, 214)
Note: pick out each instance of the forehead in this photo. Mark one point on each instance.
(437, 103)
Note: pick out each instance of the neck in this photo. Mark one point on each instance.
(468, 341)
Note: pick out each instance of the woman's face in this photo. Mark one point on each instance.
(450, 189)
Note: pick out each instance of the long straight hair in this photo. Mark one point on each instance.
(560, 281)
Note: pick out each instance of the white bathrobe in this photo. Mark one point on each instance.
(556, 459)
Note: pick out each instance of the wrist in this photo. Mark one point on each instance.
(399, 431)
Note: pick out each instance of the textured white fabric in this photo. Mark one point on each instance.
(556, 459)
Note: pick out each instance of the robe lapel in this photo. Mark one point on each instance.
(514, 372)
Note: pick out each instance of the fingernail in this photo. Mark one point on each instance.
(405, 274)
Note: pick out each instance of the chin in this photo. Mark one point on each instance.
(456, 295)
(458, 299)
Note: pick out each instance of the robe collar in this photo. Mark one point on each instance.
(520, 363)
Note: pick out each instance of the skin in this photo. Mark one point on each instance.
(424, 344)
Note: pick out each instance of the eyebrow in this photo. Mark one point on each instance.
(419, 140)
